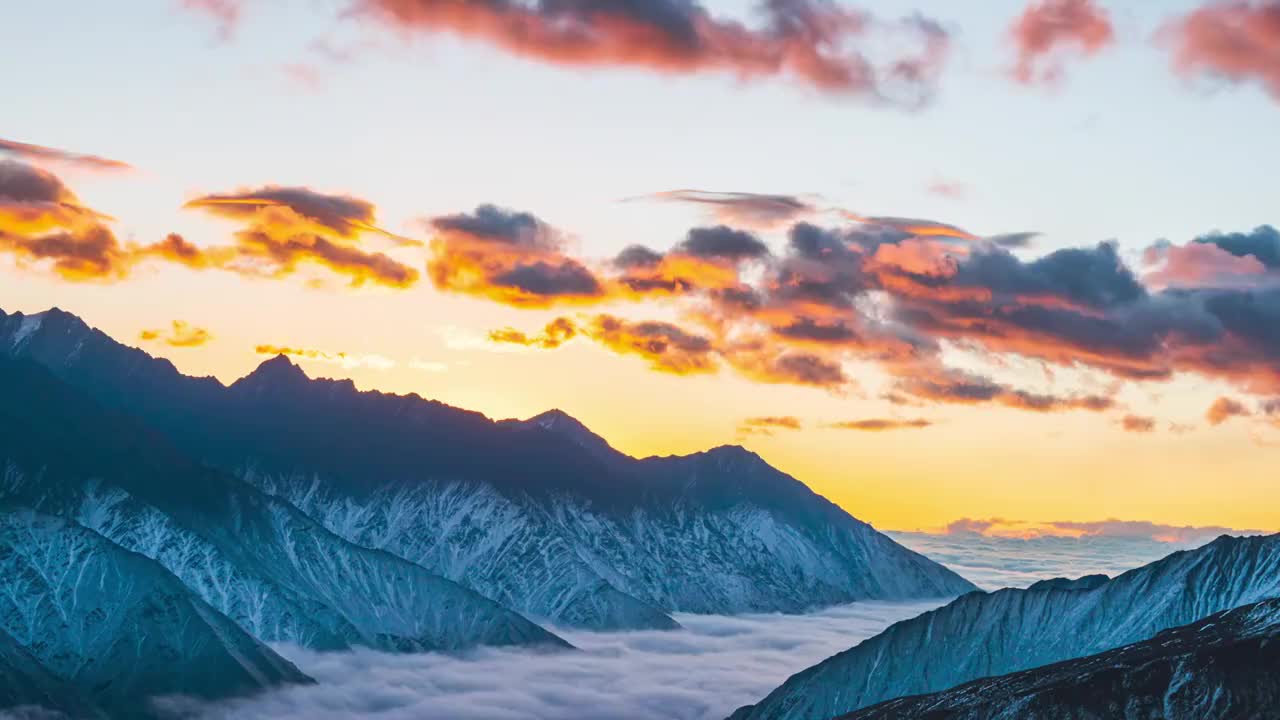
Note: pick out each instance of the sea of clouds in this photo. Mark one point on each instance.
(702, 672)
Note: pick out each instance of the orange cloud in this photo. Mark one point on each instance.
(1137, 424)
(815, 43)
(509, 257)
(766, 426)
(667, 347)
(286, 228)
(556, 333)
(36, 153)
(785, 422)
(346, 360)
(179, 334)
(1225, 408)
(1049, 28)
(41, 221)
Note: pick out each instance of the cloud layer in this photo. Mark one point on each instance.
(897, 292)
(994, 561)
(703, 672)
(40, 153)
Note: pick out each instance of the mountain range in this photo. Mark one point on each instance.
(541, 516)
(287, 509)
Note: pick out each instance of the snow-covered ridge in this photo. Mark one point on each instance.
(1221, 667)
(117, 625)
(980, 634)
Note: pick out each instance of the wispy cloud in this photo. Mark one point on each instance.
(881, 425)
(1138, 424)
(38, 153)
(753, 210)
(346, 360)
(768, 425)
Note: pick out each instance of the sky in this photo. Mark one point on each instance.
(1009, 260)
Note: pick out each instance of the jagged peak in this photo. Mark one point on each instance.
(275, 372)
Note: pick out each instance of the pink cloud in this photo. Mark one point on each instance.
(1048, 29)
(1236, 40)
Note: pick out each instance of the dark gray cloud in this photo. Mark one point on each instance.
(634, 256)
(22, 183)
(550, 279)
(753, 210)
(723, 243)
(495, 224)
(1263, 243)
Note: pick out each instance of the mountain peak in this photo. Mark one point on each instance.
(557, 420)
(562, 423)
(279, 371)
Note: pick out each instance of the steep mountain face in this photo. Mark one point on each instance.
(116, 625)
(981, 635)
(261, 561)
(1223, 667)
(540, 515)
(27, 688)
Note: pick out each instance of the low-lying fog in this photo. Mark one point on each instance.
(703, 672)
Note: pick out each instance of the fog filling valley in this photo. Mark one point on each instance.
(712, 666)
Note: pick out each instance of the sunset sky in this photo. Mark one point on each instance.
(938, 260)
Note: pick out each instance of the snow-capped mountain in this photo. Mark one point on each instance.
(1222, 667)
(540, 515)
(987, 634)
(117, 626)
(256, 558)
